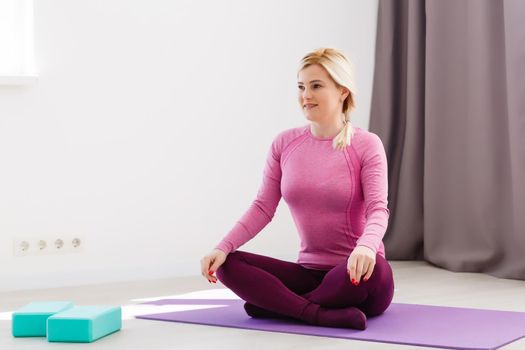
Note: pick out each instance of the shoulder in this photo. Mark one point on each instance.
(365, 137)
(366, 143)
(288, 136)
(292, 133)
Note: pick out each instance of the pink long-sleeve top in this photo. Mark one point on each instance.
(338, 199)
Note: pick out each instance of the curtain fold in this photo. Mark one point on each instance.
(448, 104)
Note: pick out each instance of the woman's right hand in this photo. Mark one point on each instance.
(211, 262)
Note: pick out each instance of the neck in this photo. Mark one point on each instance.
(327, 129)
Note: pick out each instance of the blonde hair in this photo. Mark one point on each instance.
(341, 71)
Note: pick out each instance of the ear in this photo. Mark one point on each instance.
(344, 93)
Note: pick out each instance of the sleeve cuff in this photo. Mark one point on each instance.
(224, 247)
(370, 246)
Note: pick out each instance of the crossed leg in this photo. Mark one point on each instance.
(373, 296)
(271, 284)
(280, 287)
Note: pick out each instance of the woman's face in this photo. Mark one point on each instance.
(321, 100)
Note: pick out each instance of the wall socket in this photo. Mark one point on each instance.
(48, 245)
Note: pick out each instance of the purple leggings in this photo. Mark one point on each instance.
(286, 288)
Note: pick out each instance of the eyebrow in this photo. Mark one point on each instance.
(312, 81)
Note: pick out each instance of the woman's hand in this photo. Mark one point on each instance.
(361, 262)
(211, 262)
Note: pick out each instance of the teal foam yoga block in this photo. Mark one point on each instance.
(84, 324)
(30, 320)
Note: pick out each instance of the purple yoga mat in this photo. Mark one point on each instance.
(411, 324)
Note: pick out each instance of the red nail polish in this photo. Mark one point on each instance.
(353, 280)
(365, 279)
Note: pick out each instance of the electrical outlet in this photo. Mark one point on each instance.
(48, 245)
(21, 247)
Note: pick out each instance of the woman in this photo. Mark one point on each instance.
(334, 179)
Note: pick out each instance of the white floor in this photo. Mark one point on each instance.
(416, 282)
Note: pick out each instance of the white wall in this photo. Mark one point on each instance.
(147, 131)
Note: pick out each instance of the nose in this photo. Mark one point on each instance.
(306, 94)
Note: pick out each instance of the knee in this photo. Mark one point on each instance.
(379, 302)
(382, 273)
(379, 309)
(225, 269)
(220, 273)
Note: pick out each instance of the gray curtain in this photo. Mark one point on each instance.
(449, 104)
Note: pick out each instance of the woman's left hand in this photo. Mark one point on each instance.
(361, 262)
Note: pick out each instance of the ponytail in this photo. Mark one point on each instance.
(344, 137)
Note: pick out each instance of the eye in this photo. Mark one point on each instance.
(315, 86)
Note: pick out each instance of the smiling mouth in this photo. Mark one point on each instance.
(310, 106)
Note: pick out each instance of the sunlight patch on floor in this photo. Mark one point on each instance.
(222, 293)
(130, 311)
(6, 316)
